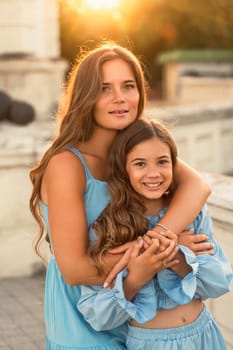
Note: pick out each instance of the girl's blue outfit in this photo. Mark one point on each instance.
(66, 329)
(210, 277)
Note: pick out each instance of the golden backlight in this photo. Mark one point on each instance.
(101, 4)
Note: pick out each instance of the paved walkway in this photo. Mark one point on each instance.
(21, 313)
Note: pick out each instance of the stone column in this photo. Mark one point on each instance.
(31, 68)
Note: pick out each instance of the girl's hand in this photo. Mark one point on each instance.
(197, 243)
(152, 260)
(145, 266)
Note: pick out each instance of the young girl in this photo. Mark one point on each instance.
(104, 94)
(168, 311)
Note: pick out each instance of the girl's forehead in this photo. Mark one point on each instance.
(152, 146)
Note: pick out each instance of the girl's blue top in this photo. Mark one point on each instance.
(210, 277)
(66, 327)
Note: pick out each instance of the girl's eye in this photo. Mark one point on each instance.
(139, 164)
(164, 161)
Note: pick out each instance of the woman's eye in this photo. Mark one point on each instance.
(129, 86)
(106, 89)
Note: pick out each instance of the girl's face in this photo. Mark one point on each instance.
(149, 168)
(117, 105)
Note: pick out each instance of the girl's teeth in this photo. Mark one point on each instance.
(152, 185)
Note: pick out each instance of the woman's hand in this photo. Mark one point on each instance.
(181, 269)
(163, 236)
(126, 249)
(197, 243)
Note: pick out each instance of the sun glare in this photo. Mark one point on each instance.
(101, 4)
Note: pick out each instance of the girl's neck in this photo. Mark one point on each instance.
(154, 206)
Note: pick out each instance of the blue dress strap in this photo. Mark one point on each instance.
(80, 156)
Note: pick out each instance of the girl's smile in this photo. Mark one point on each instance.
(149, 167)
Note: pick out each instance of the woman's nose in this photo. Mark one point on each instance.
(118, 96)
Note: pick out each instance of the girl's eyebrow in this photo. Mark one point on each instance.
(142, 159)
(164, 156)
(136, 159)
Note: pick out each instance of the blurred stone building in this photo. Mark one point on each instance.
(31, 68)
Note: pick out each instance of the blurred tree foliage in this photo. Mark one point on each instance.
(148, 27)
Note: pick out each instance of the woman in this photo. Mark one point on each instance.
(168, 311)
(105, 93)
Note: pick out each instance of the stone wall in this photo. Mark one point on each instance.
(203, 132)
(20, 147)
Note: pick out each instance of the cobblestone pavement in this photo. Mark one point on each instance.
(21, 313)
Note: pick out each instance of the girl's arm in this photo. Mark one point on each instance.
(188, 199)
(211, 275)
(106, 309)
(214, 274)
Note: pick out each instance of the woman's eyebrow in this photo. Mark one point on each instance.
(124, 81)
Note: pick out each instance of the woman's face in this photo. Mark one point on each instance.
(149, 168)
(117, 104)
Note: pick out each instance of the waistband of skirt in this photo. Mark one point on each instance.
(190, 329)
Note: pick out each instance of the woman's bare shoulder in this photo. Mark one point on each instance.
(65, 160)
(65, 167)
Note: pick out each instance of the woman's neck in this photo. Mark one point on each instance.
(99, 144)
(96, 153)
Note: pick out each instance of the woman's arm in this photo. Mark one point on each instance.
(189, 197)
(63, 188)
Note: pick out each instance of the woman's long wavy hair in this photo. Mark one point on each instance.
(124, 218)
(75, 113)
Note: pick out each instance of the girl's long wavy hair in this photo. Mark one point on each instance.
(75, 113)
(124, 218)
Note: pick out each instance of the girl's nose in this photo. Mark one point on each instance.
(153, 171)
